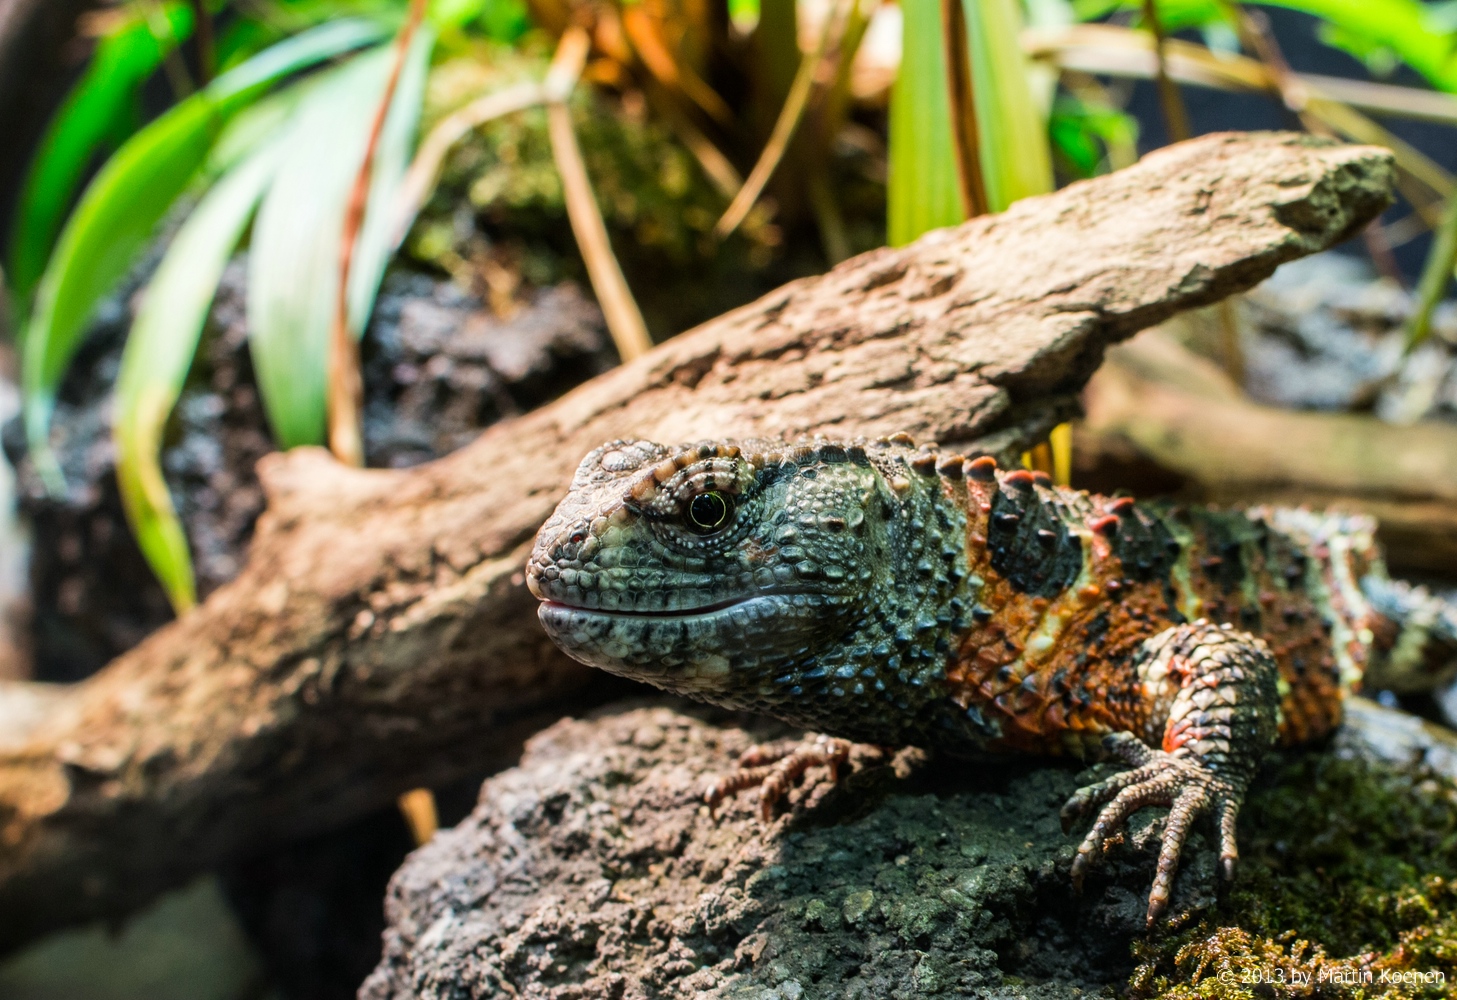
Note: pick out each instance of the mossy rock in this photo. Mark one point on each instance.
(593, 870)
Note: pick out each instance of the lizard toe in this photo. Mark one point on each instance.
(1186, 785)
(774, 768)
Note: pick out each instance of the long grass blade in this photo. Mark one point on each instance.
(293, 268)
(157, 356)
(1436, 278)
(121, 208)
(1016, 158)
(961, 100)
(95, 111)
(379, 238)
(923, 192)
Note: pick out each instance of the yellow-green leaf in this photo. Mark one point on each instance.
(293, 267)
(158, 354)
(923, 191)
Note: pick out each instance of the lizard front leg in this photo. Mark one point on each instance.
(773, 767)
(1215, 702)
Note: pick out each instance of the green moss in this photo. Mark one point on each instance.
(1348, 887)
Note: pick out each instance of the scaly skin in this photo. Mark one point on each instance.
(893, 595)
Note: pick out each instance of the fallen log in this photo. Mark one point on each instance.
(380, 636)
(1159, 402)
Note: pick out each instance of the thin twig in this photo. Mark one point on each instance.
(1111, 50)
(1107, 49)
(785, 125)
(1378, 248)
(961, 98)
(420, 178)
(346, 386)
(1176, 116)
(1254, 30)
(624, 319)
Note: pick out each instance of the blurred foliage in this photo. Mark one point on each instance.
(680, 99)
(100, 112)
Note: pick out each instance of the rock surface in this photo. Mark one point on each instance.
(593, 870)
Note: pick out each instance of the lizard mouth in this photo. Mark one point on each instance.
(705, 609)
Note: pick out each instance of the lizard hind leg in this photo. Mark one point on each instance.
(1415, 647)
(1213, 694)
(774, 767)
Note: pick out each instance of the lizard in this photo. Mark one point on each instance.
(882, 592)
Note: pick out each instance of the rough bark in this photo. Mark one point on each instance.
(1160, 402)
(594, 871)
(380, 636)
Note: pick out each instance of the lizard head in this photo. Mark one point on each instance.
(755, 575)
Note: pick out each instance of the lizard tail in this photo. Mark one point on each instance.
(1415, 637)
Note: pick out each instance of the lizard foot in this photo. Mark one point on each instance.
(1184, 784)
(775, 766)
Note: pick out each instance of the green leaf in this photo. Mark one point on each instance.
(121, 208)
(1016, 160)
(293, 267)
(923, 192)
(1081, 132)
(158, 354)
(293, 54)
(391, 159)
(1174, 15)
(1417, 38)
(1418, 34)
(95, 111)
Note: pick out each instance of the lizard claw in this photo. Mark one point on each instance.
(773, 767)
(1184, 784)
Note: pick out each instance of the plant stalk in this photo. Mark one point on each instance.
(1436, 274)
(1176, 116)
(346, 384)
(785, 126)
(965, 133)
(624, 319)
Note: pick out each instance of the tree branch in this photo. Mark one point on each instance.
(380, 637)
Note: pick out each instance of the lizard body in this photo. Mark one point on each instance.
(895, 595)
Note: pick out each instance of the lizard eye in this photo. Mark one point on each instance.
(707, 512)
